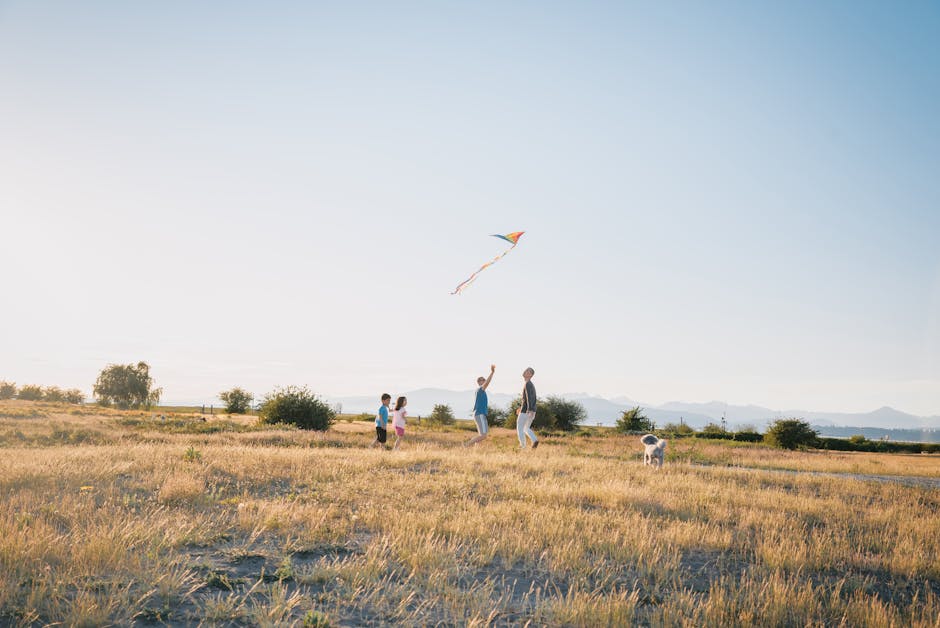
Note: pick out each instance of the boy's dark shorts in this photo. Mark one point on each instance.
(381, 434)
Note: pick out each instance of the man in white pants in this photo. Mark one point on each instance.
(527, 410)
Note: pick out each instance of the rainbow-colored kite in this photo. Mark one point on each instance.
(509, 237)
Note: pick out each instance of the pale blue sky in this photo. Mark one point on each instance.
(734, 201)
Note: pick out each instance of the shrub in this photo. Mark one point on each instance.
(7, 390)
(633, 420)
(857, 439)
(74, 395)
(678, 430)
(29, 392)
(441, 415)
(126, 386)
(236, 400)
(790, 434)
(495, 417)
(568, 414)
(296, 405)
(713, 430)
(53, 393)
(748, 436)
(544, 419)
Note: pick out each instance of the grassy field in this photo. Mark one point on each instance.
(115, 517)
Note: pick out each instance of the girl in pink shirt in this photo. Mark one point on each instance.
(398, 420)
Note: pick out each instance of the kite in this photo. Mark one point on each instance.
(512, 238)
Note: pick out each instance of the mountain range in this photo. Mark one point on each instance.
(602, 411)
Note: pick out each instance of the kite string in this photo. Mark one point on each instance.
(470, 279)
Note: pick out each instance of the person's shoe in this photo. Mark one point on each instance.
(535, 444)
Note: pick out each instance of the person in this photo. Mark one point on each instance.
(481, 407)
(398, 421)
(381, 421)
(526, 413)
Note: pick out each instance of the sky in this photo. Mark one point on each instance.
(732, 201)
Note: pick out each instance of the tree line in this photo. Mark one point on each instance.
(131, 386)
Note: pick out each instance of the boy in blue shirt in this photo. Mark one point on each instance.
(481, 407)
(381, 422)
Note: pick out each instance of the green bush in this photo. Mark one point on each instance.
(633, 420)
(843, 444)
(790, 434)
(715, 432)
(677, 430)
(74, 395)
(544, 419)
(568, 414)
(7, 390)
(441, 415)
(748, 436)
(857, 439)
(296, 405)
(53, 394)
(495, 417)
(236, 400)
(30, 392)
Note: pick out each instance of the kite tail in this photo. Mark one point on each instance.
(470, 279)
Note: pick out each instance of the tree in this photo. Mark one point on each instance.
(495, 416)
(441, 415)
(544, 419)
(127, 386)
(74, 395)
(633, 420)
(236, 400)
(29, 392)
(7, 390)
(568, 414)
(296, 405)
(790, 434)
(53, 393)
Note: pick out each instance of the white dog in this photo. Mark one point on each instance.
(655, 450)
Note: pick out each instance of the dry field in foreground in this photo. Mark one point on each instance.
(111, 517)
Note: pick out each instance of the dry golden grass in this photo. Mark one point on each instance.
(115, 518)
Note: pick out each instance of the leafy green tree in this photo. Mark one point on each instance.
(74, 395)
(53, 393)
(441, 415)
(568, 414)
(790, 434)
(296, 405)
(633, 420)
(30, 392)
(127, 386)
(7, 390)
(236, 400)
(544, 419)
(495, 416)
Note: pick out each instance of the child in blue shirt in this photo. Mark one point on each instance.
(381, 422)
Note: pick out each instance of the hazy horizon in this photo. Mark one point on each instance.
(733, 202)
